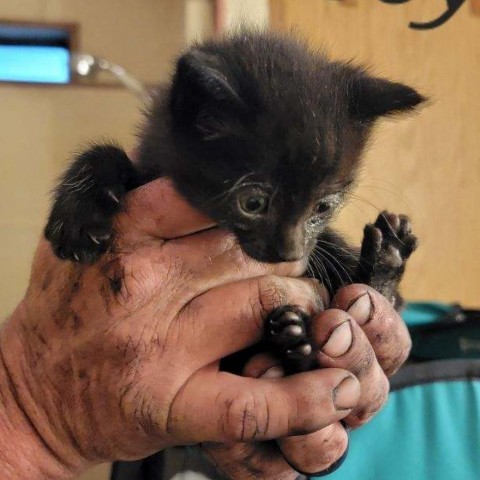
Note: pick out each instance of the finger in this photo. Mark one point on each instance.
(211, 257)
(156, 210)
(205, 260)
(250, 461)
(243, 409)
(317, 452)
(382, 325)
(263, 365)
(201, 261)
(343, 344)
(233, 314)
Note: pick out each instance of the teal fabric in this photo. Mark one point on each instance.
(421, 313)
(425, 432)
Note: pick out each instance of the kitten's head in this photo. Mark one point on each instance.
(269, 135)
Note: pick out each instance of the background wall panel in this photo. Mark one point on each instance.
(41, 126)
(429, 165)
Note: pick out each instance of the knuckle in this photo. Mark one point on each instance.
(317, 293)
(333, 451)
(364, 363)
(130, 346)
(272, 292)
(392, 347)
(332, 448)
(243, 419)
(396, 361)
(125, 282)
(362, 415)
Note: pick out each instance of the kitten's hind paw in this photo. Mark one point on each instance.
(286, 332)
(386, 247)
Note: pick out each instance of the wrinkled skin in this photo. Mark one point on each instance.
(371, 341)
(120, 359)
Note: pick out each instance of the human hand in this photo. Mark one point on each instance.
(372, 342)
(119, 359)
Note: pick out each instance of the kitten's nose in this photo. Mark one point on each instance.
(291, 246)
(290, 255)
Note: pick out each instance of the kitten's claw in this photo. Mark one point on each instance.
(98, 239)
(94, 239)
(112, 195)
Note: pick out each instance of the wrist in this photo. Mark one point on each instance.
(29, 447)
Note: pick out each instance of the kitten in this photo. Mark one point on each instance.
(265, 136)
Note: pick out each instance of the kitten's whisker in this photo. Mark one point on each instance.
(320, 261)
(394, 191)
(334, 271)
(321, 270)
(334, 259)
(339, 248)
(361, 199)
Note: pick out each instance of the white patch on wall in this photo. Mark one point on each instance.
(245, 12)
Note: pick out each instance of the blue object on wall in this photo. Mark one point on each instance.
(34, 64)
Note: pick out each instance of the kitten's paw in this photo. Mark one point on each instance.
(79, 244)
(386, 247)
(286, 331)
(86, 199)
(82, 231)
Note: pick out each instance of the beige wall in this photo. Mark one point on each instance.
(41, 126)
(427, 166)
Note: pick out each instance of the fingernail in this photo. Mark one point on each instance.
(339, 341)
(274, 372)
(346, 394)
(361, 309)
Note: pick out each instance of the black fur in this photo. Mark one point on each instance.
(265, 136)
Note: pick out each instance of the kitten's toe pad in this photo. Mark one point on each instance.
(303, 350)
(285, 327)
(286, 330)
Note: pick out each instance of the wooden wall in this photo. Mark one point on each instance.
(427, 166)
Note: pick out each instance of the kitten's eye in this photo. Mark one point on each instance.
(253, 203)
(322, 208)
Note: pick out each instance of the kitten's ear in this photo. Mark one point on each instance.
(201, 92)
(203, 72)
(372, 97)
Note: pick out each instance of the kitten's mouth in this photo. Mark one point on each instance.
(271, 255)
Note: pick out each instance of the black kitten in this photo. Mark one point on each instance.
(265, 136)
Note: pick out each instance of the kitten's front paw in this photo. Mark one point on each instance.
(76, 241)
(81, 230)
(286, 331)
(386, 247)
